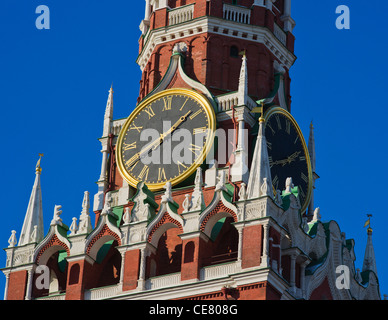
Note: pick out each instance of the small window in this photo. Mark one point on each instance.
(74, 274)
(234, 2)
(189, 252)
(234, 51)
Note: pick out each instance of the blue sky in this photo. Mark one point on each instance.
(54, 85)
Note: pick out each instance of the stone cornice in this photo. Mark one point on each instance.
(211, 24)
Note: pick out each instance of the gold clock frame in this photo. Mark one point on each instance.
(193, 167)
(279, 110)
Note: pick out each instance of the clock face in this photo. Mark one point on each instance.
(166, 138)
(288, 154)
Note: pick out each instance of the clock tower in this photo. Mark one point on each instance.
(205, 190)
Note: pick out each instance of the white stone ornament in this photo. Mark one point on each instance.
(127, 215)
(265, 187)
(57, 213)
(289, 185)
(221, 181)
(278, 198)
(85, 225)
(108, 205)
(187, 204)
(243, 192)
(12, 240)
(73, 228)
(180, 47)
(167, 197)
(34, 234)
(197, 201)
(317, 215)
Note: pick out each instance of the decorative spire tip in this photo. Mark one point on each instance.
(38, 168)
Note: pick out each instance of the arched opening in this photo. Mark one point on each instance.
(52, 276)
(107, 268)
(74, 274)
(189, 252)
(168, 255)
(223, 246)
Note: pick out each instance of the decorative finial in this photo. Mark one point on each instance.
(260, 110)
(243, 53)
(38, 167)
(311, 125)
(12, 240)
(367, 224)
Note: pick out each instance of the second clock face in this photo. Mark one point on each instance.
(166, 138)
(288, 155)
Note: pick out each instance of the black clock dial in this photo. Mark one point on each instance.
(165, 138)
(288, 155)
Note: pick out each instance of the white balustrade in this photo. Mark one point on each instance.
(219, 271)
(163, 281)
(280, 34)
(101, 293)
(181, 14)
(237, 14)
(227, 101)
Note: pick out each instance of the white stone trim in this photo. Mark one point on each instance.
(208, 24)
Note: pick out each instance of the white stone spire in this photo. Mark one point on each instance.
(243, 82)
(102, 181)
(369, 263)
(260, 181)
(108, 114)
(34, 214)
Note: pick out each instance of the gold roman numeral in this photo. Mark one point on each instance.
(296, 140)
(199, 130)
(195, 149)
(180, 164)
(162, 174)
(167, 103)
(302, 158)
(195, 114)
(269, 145)
(144, 173)
(269, 126)
(288, 127)
(131, 161)
(149, 111)
(129, 146)
(133, 126)
(278, 122)
(184, 104)
(304, 178)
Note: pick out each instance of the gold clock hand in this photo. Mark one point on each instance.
(163, 136)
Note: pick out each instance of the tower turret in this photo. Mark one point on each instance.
(215, 32)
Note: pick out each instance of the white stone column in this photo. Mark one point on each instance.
(287, 7)
(6, 286)
(240, 244)
(147, 10)
(292, 273)
(122, 270)
(29, 284)
(265, 256)
(142, 273)
(302, 277)
(241, 136)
